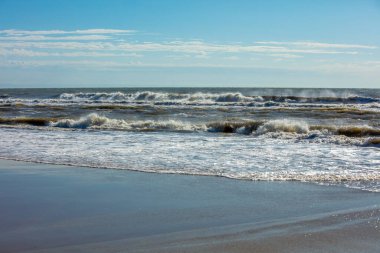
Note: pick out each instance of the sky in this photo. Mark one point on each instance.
(213, 43)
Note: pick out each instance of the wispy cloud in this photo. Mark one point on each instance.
(288, 56)
(32, 53)
(109, 40)
(93, 37)
(195, 47)
(331, 68)
(308, 44)
(111, 48)
(61, 35)
(13, 32)
(361, 67)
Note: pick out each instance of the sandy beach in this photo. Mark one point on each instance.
(189, 126)
(51, 208)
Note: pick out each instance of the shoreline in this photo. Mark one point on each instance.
(320, 183)
(58, 208)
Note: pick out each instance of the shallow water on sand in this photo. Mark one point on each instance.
(47, 208)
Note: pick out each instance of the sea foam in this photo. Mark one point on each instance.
(249, 158)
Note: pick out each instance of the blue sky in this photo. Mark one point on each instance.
(190, 43)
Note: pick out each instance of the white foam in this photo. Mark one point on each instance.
(246, 157)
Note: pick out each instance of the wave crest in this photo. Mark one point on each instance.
(286, 126)
(373, 142)
(96, 121)
(90, 120)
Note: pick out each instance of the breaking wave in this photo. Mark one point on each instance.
(283, 126)
(372, 142)
(158, 96)
(258, 127)
(297, 129)
(95, 121)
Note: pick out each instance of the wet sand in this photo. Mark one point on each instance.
(50, 208)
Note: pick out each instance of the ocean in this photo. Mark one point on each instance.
(323, 136)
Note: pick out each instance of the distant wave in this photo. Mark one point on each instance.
(159, 96)
(229, 97)
(198, 99)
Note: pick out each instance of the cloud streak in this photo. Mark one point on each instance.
(109, 40)
(92, 37)
(194, 47)
(351, 68)
(31, 53)
(111, 48)
(306, 44)
(13, 32)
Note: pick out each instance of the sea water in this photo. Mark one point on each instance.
(325, 136)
